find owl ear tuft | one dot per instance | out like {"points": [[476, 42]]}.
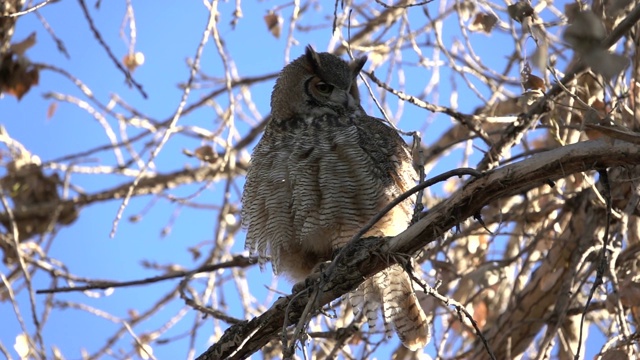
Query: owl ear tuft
{"points": [[356, 65], [313, 58]]}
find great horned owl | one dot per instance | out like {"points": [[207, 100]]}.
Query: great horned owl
{"points": [[321, 171]]}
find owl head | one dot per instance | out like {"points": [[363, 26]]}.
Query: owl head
{"points": [[316, 84]]}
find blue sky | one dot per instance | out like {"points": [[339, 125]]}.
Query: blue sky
{"points": [[168, 34]]}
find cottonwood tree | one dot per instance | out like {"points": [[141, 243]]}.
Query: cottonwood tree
{"points": [[529, 117]]}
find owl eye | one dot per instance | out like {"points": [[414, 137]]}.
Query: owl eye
{"points": [[324, 88]]}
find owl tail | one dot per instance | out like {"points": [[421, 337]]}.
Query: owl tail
{"points": [[390, 291]]}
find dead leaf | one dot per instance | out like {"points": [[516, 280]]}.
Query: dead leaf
{"points": [[52, 109], [17, 75], [21, 346], [595, 115], [205, 153], [585, 32], [165, 231], [132, 61], [600, 106], [57, 354], [585, 36], [195, 253], [480, 311], [465, 9], [133, 314], [21, 47], [533, 85], [520, 10], [145, 351], [273, 22], [230, 220], [533, 82], [483, 22]]}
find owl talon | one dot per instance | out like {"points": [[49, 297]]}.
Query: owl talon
{"points": [[313, 278], [308, 282], [320, 267]]}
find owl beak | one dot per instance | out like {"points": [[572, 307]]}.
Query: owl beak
{"points": [[343, 98], [351, 102]]}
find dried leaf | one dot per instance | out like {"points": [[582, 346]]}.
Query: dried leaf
{"points": [[144, 350], [534, 83], [483, 22], [205, 153], [17, 75], [273, 22], [231, 220], [133, 313], [585, 33], [165, 231], [520, 10], [57, 354], [21, 346], [585, 37], [132, 61], [480, 312], [600, 106], [596, 115], [21, 47], [465, 9], [52, 109], [195, 253]]}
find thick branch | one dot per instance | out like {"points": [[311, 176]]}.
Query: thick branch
{"points": [[242, 340]]}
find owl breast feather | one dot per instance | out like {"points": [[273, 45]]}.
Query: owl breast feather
{"points": [[311, 186]]}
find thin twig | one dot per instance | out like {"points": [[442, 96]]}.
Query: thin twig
{"points": [[29, 10], [113, 58], [238, 261], [170, 128]]}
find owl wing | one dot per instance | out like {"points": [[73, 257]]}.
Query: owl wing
{"points": [[266, 201]]}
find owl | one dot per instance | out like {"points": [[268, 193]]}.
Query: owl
{"points": [[321, 171]]}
